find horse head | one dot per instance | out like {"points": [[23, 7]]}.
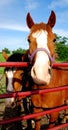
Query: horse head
{"points": [[41, 48], [13, 77]]}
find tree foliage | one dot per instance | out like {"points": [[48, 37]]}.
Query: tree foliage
{"points": [[6, 50], [19, 50], [62, 48]]}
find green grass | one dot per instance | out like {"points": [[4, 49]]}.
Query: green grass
{"points": [[2, 60], [2, 80]]}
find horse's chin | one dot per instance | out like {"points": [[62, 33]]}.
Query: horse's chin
{"points": [[13, 105], [9, 103], [40, 82]]}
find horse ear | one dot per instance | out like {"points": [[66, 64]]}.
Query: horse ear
{"points": [[29, 20], [52, 19], [5, 55]]}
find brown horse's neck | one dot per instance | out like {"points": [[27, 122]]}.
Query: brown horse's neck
{"points": [[59, 77]]}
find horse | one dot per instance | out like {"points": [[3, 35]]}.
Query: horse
{"points": [[13, 77], [42, 55], [15, 83]]}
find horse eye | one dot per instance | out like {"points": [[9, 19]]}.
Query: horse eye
{"points": [[29, 40], [54, 40]]}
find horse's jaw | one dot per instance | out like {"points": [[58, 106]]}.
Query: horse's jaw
{"points": [[39, 79]]}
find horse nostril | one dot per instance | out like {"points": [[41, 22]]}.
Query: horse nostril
{"points": [[13, 104], [49, 70], [34, 71]]}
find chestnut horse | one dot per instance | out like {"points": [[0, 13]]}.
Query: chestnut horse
{"points": [[15, 80], [42, 54], [13, 76]]}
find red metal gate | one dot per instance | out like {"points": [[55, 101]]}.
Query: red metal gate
{"points": [[21, 94]]}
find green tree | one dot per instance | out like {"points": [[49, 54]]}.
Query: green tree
{"points": [[6, 50], [62, 48], [19, 50]]}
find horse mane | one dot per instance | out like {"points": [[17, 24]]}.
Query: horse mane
{"points": [[16, 57]]}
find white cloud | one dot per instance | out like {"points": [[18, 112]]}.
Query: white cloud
{"points": [[13, 27], [31, 4], [58, 3], [8, 18]]}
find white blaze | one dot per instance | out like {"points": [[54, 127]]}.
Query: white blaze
{"points": [[39, 71], [10, 77], [41, 39], [9, 101]]}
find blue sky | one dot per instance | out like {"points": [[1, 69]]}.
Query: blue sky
{"points": [[13, 28]]}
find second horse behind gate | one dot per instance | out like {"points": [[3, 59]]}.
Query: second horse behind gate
{"points": [[15, 83], [13, 77]]}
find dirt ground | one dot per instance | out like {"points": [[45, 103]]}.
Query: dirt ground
{"points": [[6, 113]]}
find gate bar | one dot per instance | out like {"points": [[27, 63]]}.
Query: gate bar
{"points": [[28, 93], [25, 64], [31, 116], [59, 127]]}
